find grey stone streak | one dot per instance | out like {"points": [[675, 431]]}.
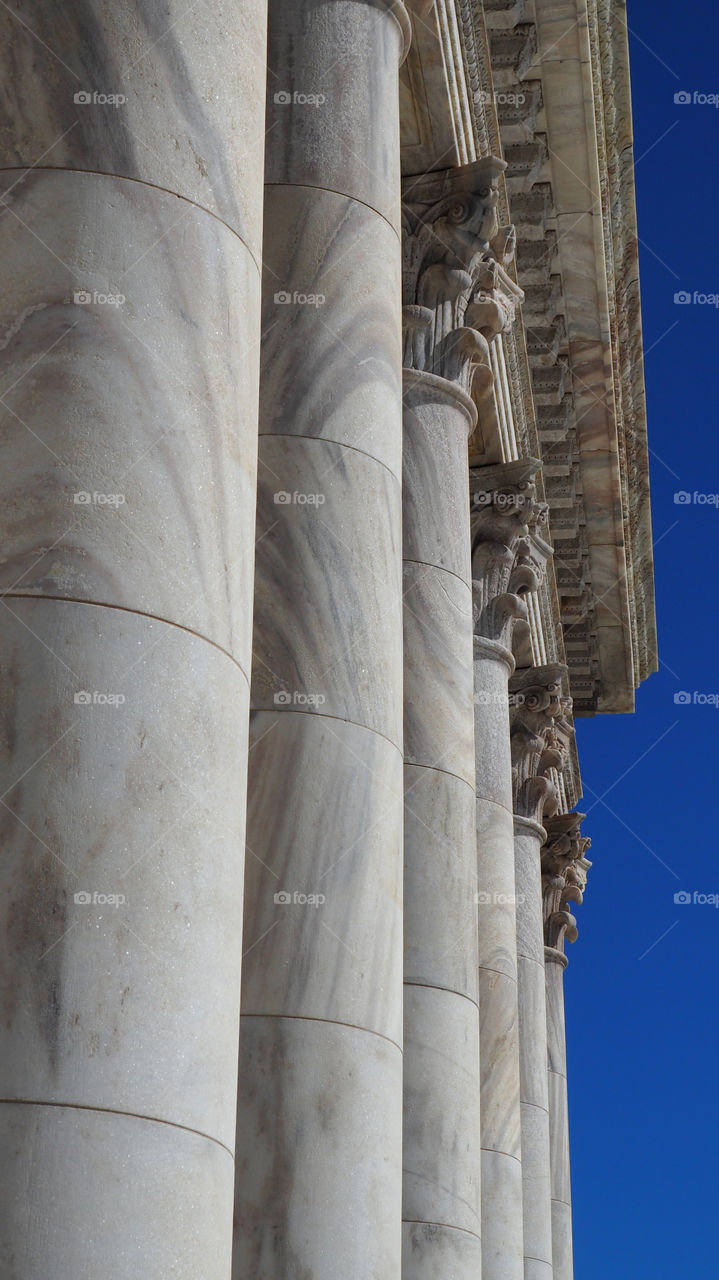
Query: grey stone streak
{"points": [[318, 1187], [441, 1140], [70, 1160], [184, 125], [140, 404]]}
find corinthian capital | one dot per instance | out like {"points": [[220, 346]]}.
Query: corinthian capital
{"points": [[458, 294], [564, 876], [508, 552], [541, 734]]}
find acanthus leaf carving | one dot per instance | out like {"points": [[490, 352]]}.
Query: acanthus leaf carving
{"points": [[564, 877], [509, 555], [454, 272], [541, 734]]}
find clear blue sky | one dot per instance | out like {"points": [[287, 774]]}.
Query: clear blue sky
{"points": [[642, 1008]]}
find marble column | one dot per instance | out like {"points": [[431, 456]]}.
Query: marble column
{"points": [[445, 360], [319, 1148], [564, 875], [540, 734], [130, 220], [504, 507]]}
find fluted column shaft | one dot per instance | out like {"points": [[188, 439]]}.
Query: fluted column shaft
{"points": [[318, 1189], [502, 1248], [441, 1147], [562, 1255], [534, 1097], [130, 234]]}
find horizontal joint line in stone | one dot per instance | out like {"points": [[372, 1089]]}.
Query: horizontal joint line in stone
{"points": [[435, 986], [136, 613], [327, 715], [138, 182], [114, 1111], [440, 569], [331, 1022], [339, 444], [445, 1226], [436, 768], [342, 195]]}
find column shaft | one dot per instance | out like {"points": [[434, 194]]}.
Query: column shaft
{"points": [[562, 1257], [502, 1249], [536, 1177], [318, 1188], [129, 311], [441, 1144]]}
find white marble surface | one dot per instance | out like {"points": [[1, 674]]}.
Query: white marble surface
{"points": [[349, 54], [435, 475], [429, 1250], [185, 125], [337, 960], [319, 1152], [438, 717], [334, 362], [328, 599], [562, 1259], [113, 1004], [441, 1167], [318, 1189], [129, 430], [502, 1234], [86, 1190], [501, 1217], [536, 1161], [440, 920]]}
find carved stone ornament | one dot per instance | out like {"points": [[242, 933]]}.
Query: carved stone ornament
{"points": [[564, 877], [458, 294], [509, 554], [541, 735]]}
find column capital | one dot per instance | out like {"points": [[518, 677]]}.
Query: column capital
{"points": [[541, 735], [564, 877], [509, 554], [457, 292]]}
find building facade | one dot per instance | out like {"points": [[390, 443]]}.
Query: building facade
{"points": [[325, 512]]}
